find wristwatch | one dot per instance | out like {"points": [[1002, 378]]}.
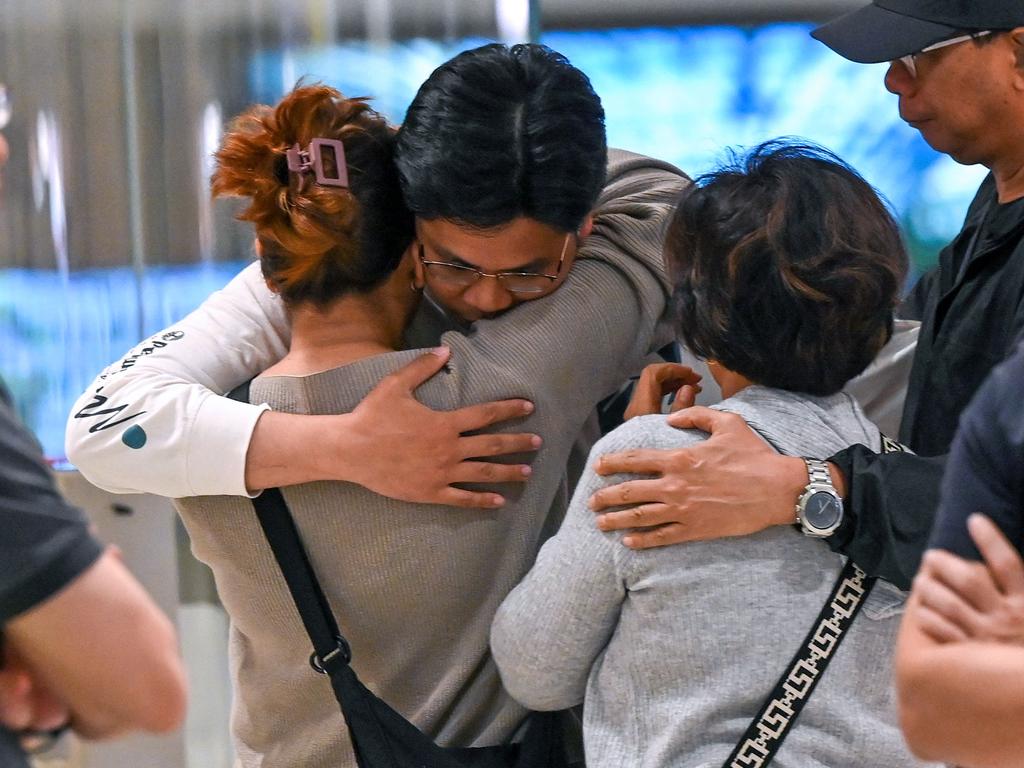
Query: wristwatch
{"points": [[819, 511]]}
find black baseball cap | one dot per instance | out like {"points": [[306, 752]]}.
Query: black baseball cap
{"points": [[889, 29]]}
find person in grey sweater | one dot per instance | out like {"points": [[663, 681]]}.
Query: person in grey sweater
{"points": [[786, 268]]}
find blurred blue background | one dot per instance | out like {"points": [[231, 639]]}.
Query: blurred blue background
{"points": [[682, 94]]}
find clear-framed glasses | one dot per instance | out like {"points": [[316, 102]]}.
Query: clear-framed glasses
{"points": [[513, 282], [910, 60]]}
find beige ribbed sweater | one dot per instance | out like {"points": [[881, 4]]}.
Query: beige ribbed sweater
{"points": [[415, 587]]}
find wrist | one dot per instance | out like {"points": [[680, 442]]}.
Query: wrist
{"points": [[280, 452], [793, 475], [838, 479]]}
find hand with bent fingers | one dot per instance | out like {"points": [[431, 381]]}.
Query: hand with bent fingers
{"points": [[25, 703], [963, 600], [659, 380], [413, 453], [732, 484]]}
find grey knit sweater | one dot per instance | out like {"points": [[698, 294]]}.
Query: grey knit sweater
{"points": [[676, 648], [415, 587]]}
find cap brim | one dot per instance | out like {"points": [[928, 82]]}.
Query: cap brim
{"points": [[872, 35]]}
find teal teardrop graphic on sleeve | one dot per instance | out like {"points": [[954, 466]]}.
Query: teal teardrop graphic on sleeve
{"points": [[134, 437]]}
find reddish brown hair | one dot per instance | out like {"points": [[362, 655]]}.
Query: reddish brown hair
{"points": [[317, 241]]}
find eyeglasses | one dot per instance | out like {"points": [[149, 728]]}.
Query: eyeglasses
{"points": [[910, 60], [513, 282]]}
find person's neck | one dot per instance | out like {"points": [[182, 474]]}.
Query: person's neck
{"points": [[351, 328], [729, 382], [1009, 173]]}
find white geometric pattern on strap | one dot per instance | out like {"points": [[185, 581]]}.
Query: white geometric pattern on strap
{"points": [[777, 715]]}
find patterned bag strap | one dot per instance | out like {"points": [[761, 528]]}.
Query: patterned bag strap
{"points": [[765, 734]]}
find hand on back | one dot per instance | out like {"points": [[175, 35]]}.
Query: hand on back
{"points": [[732, 484], [410, 452]]}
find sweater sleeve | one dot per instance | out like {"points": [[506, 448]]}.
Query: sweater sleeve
{"points": [[550, 630], [154, 421]]}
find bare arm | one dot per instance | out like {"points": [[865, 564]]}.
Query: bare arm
{"points": [[103, 648], [960, 656]]}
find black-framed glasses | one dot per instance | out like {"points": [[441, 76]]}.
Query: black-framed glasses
{"points": [[514, 282]]}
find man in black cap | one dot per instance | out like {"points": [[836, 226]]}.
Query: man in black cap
{"points": [[958, 69]]}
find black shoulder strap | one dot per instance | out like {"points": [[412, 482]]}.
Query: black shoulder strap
{"points": [[286, 544], [765, 734]]}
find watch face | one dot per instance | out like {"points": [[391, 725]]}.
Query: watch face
{"points": [[822, 510]]}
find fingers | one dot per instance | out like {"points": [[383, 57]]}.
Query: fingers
{"points": [[705, 419], [624, 494], [1003, 561], [474, 417], [655, 382], [482, 446], [646, 398], [685, 397], [489, 472], [419, 370], [15, 700], [50, 713], [937, 597], [663, 536], [938, 627], [639, 461], [670, 376], [970, 582], [457, 497], [643, 516]]}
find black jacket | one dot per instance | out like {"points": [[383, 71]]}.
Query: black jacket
{"points": [[971, 308]]}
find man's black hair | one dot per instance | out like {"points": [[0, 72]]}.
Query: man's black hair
{"points": [[500, 132]]}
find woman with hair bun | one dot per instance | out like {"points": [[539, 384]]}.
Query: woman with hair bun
{"points": [[413, 586]]}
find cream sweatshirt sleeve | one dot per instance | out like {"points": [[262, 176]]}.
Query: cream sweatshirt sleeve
{"points": [[154, 421]]}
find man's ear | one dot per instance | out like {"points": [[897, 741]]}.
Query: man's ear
{"points": [[586, 227], [419, 277], [1017, 41]]}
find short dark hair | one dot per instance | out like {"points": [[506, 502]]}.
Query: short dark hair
{"points": [[501, 132], [787, 268]]}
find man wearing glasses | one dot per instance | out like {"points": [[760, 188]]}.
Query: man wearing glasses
{"points": [[503, 161], [958, 70]]}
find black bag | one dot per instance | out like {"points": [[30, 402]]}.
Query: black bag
{"points": [[381, 737]]}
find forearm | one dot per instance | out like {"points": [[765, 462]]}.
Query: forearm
{"points": [[551, 628], [962, 702], [280, 455], [103, 647]]}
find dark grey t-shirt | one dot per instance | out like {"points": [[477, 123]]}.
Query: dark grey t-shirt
{"points": [[44, 541]]}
